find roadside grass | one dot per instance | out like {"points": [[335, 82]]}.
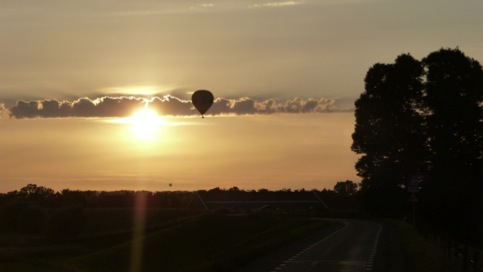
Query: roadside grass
{"points": [[418, 253]]}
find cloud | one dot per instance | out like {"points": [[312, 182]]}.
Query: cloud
{"points": [[169, 105], [82, 107], [190, 7], [276, 4], [4, 112]]}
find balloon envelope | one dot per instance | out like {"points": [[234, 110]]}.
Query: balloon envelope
{"points": [[202, 100]]}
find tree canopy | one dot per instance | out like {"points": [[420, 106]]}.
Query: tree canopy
{"points": [[422, 121]]}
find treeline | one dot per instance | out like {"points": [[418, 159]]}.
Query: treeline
{"points": [[48, 198], [36, 209], [57, 215]]}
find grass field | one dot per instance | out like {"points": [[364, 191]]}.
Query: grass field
{"points": [[203, 242]]}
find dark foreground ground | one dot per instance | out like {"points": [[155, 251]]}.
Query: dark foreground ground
{"points": [[176, 240], [203, 241]]}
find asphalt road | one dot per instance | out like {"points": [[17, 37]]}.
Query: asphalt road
{"points": [[349, 246]]}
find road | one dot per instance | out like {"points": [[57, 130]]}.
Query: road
{"points": [[349, 246]]}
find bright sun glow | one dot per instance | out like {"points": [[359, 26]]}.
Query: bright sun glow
{"points": [[145, 123]]}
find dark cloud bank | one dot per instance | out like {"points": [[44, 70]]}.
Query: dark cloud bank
{"points": [[124, 106]]}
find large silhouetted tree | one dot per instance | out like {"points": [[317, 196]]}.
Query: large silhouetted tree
{"points": [[388, 131], [453, 103], [422, 120]]}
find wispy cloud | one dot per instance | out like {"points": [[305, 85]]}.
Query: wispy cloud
{"points": [[170, 8], [209, 6], [276, 4], [140, 12]]}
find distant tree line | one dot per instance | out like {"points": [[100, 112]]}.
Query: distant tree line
{"points": [[421, 122], [36, 209], [48, 198]]}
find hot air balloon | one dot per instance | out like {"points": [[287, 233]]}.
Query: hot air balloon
{"points": [[202, 100]]}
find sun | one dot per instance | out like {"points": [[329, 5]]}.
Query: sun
{"points": [[145, 123]]}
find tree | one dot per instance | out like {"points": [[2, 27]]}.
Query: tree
{"points": [[421, 120], [388, 131], [454, 125], [346, 188], [36, 192]]}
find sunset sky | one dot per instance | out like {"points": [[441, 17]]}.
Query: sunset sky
{"points": [[285, 75]]}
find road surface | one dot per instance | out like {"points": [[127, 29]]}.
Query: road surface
{"points": [[348, 246]]}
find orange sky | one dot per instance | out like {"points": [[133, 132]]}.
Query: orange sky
{"points": [[290, 71], [251, 152]]}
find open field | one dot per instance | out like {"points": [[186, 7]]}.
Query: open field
{"points": [[194, 242]]}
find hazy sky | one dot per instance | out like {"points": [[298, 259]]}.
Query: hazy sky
{"points": [[275, 152], [282, 64]]}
